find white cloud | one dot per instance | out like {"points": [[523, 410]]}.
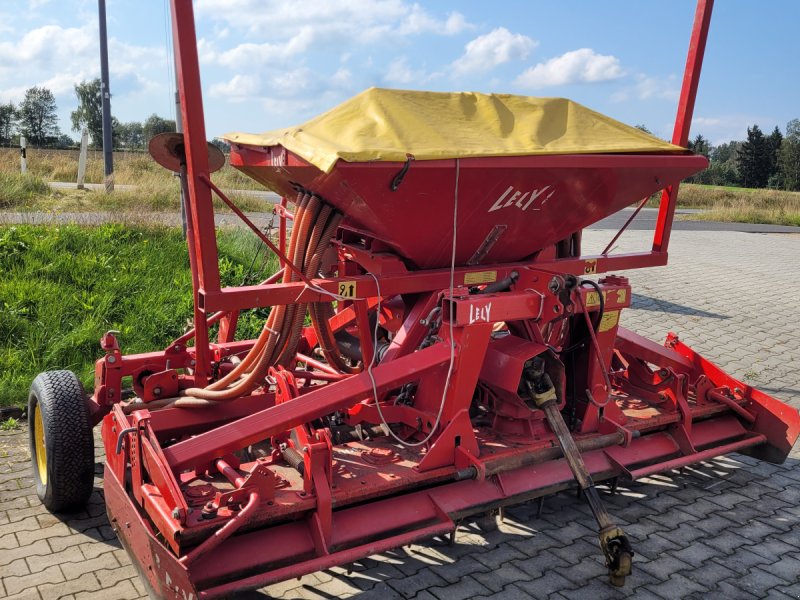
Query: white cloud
{"points": [[400, 72], [356, 22], [649, 88], [492, 49], [724, 128], [238, 89], [57, 58], [245, 55], [418, 21], [342, 78], [577, 66]]}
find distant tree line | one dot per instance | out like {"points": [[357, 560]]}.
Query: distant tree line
{"points": [[760, 161], [36, 118]]}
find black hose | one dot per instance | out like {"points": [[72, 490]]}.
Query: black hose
{"points": [[597, 321], [502, 285], [602, 300]]}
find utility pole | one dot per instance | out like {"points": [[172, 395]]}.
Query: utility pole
{"points": [[105, 92]]}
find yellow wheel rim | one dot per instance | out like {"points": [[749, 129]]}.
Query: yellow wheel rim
{"points": [[41, 451]]}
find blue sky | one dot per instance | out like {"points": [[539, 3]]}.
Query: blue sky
{"points": [[268, 63]]}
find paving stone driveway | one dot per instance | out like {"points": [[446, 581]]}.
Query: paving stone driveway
{"points": [[727, 528]]}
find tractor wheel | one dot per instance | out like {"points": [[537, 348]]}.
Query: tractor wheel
{"points": [[61, 441]]}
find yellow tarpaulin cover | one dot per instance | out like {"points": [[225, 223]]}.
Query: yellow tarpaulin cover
{"points": [[388, 125]]}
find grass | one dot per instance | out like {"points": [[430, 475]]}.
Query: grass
{"points": [[63, 287], [741, 205], [157, 189], [10, 424]]}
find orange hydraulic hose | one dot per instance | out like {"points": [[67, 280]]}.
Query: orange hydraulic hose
{"points": [[269, 326], [301, 252], [278, 316], [252, 379], [319, 320], [316, 247]]}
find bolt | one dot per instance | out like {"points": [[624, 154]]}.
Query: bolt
{"points": [[193, 362], [111, 359], [157, 391]]}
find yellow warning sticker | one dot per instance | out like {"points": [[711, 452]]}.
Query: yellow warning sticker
{"points": [[622, 296], [593, 299], [480, 277], [347, 289], [590, 266], [609, 321]]}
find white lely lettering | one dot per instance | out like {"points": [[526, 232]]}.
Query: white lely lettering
{"points": [[523, 200], [499, 203], [480, 314]]}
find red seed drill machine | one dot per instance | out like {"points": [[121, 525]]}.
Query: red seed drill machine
{"points": [[437, 345]]}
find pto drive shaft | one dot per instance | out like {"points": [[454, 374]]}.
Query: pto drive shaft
{"points": [[613, 541]]}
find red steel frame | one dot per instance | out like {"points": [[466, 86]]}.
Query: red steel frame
{"points": [[268, 521]]}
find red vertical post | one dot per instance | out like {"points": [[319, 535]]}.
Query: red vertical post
{"points": [[683, 120], [203, 231]]}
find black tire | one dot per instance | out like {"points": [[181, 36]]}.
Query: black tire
{"points": [[65, 479]]}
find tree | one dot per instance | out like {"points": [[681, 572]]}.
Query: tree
{"points": [[8, 120], [155, 125], [64, 141], [754, 161], [789, 158], [131, 135], [774, 141], [222, 145], [700, 145], [89, 113], [37, 115]]}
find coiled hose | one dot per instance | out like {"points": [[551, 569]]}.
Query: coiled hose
{"points": [[315, 226]]}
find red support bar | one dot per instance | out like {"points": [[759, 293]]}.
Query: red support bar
{"points": [[275, 420], [264, 238], [683, 461], [683, 120], [204, 246], [189, 88]]}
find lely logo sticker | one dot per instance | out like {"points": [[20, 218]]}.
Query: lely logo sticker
{"points": [[524, 200]]}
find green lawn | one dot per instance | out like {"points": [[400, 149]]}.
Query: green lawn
{"points": [[63, 287]]}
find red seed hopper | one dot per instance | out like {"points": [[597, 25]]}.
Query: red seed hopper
{"points": [[437, 345]]}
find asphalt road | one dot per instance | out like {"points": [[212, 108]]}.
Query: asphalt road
{"points": [[99, 187], [646, 220]]}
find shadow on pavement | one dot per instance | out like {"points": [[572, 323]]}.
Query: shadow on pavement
{"points": [[643, 302]]}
